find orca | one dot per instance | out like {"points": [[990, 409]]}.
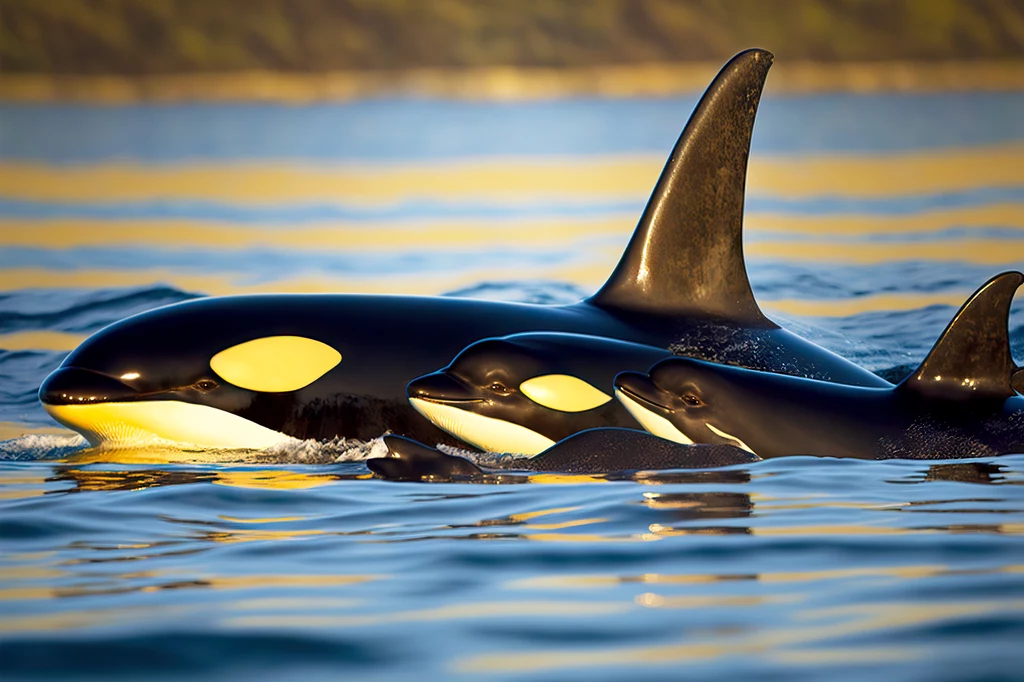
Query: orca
{"points": [[958, 403], [523, 393], [594, 451], [257, 370]]}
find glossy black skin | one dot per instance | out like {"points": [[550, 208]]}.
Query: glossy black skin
{"points": [[681, 283], [365, 394], [778, 415], [595, 451], [485, 378]]}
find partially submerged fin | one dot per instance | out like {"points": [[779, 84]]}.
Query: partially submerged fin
{"points": [[409, 460], [972, 357], [686, 254]]}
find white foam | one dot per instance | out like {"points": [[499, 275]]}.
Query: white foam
{"points": [[41, 446], [326, 452]]}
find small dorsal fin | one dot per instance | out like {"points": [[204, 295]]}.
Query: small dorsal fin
{"points": [[972, 357], [686, 254]]}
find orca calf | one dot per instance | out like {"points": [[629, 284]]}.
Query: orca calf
{"points": [[596, 451], [958, 403], [253, 371], [524, 392]]}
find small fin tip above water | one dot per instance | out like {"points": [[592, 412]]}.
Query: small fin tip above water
{"points": [[973, 353]]}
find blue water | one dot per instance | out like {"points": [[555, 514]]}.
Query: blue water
{"points": [[296, 564], [429, 129]]}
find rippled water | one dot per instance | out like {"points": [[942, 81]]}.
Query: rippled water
{"points": [[870, 218]]}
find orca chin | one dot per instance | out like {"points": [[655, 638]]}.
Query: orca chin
{"points": [[487, 433], [142, 423]]}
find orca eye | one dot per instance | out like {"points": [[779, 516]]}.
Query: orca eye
{"points": [[499, 387], [691, 400], [205, 385]]}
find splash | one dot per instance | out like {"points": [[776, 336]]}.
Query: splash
{"points": [[41, 447]]}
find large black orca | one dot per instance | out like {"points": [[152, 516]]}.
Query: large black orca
{"points": [[252, 371], [958, 403], [595, 451], [523, 393]]}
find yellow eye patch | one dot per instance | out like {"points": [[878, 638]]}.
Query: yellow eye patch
{"points": [[563, 393], [275, 364]]}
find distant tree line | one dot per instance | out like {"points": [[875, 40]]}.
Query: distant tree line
{"points": [[143, 37]]}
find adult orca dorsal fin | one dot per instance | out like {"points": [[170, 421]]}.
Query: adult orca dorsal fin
{"points": [[686, 254], [972, 357]]}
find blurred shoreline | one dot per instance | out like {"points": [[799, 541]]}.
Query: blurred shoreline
{"points": [[510, 83], [118, 51]]}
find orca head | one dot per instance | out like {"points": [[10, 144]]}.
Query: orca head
{"points": [[514, 394], [178, 374], [686, 401]]}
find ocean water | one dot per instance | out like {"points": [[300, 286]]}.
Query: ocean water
{"points": [[870, 218]]}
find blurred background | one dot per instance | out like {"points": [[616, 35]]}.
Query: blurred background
{"points": [[156, 150]]}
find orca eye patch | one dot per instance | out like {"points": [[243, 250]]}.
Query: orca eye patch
{"points": [[275, 364], [563, 393]]}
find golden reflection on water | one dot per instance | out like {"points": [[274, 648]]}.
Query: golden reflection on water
{"points": [[589, 581], [461, 233], [515, 180], [776, 641], [72, 619], [441, 613], [273, 479], [93, 479]]}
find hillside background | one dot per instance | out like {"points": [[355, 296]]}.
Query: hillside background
{"points": [[150, 37]]}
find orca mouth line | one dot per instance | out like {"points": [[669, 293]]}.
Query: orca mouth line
{"points": [[79, 386], [642, 400], [450, 401], [127, 398]]}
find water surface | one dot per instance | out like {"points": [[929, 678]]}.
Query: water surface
{"points": [[869, 220]]}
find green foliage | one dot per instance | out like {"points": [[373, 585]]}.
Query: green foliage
{"points": [[187, 36]]}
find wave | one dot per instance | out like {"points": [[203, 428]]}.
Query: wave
{"points": [[525, 291], [79, 310]]}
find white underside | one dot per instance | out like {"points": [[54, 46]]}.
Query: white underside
{"points": [[734, 439], [486, 433], [148, 422], [654, 423]]}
